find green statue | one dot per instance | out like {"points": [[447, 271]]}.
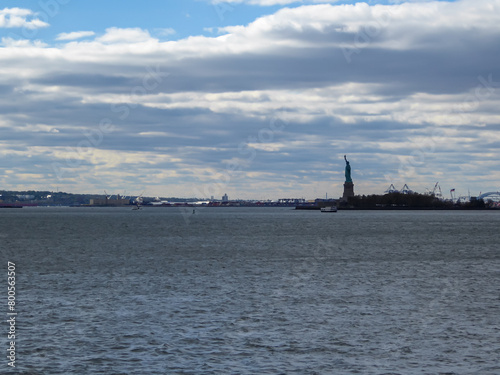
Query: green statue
{"points": [[347, 170]]}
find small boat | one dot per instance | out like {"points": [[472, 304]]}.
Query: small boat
{"points": [[329, 209]]}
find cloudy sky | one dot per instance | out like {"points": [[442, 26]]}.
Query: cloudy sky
{"points": [[253, 98]]}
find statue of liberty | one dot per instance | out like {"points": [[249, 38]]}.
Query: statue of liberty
{"points": [[347, 170]]}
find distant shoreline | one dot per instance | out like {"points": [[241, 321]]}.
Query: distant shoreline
{"points": [[389, 201], [403, 209], [298, 208]]}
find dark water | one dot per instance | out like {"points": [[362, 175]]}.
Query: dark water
{"points": [[253, 291]]}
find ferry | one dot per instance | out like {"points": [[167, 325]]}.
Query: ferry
{"points": [[329, 209]]}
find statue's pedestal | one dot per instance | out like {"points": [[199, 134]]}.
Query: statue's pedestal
{"points": [[348, 191]]}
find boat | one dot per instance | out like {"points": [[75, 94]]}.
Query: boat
{"points": [[329, 209]]}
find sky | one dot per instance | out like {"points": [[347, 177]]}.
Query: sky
{"points": [[259, 99]]}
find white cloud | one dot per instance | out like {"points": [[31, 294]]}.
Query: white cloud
{"points": [[12, 43], [165, 31], [20, 18], [75, 35], [125, 36], [38, 128]]}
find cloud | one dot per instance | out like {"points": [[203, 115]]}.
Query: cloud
{"points": [[129, 35], [409, 91], [22, 43], [20, 18], [75, 35], [165, 31]]}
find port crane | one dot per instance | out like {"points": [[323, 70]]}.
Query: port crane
{"points": [[437, 191], [404, 190], [392, 189], [106, 196]]}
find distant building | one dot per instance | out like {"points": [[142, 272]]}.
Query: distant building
{"points": [[225, 198], [291, 201]]}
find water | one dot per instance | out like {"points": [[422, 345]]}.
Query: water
{"points": [[253, 291]]}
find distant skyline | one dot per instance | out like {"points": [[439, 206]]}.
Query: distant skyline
{"points": [[254, 98]]}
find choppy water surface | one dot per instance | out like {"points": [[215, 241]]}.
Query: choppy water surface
{"points": [[254, 291]]}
